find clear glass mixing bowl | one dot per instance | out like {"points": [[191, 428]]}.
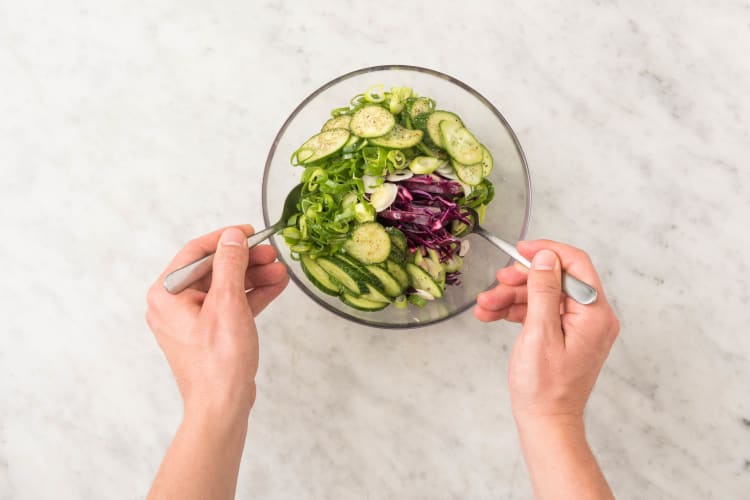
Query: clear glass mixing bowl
{"points": [[507, 216]]}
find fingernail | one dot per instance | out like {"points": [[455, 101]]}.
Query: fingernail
{"points": [[544, 260], [233, 237]]}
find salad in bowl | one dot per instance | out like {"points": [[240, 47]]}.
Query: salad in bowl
{"points": [[390, 186]]}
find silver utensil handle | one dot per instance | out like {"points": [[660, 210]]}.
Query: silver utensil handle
{"points": [[576, 289], [180, 279]]}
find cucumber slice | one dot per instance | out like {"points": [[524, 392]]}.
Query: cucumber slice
{"points": [[420, 123], [322, 145], [469, 174], [421, 280], [398, 238], [460, 143], [361, 303], [425, 164], [398, 256], [372, 121], [352, 144], [369, 243], [431, 150], [417, 106], [341, 121], [375, 295], [361, 274], [398, 137], [433, 125], [436, 271], [318, 276], [487, 162], [344, 273], [390, 285], [417, 300], [453, 264], [398, 272]]}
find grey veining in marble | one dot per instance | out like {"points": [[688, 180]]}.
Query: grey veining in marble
{"points": [[126, 128]]}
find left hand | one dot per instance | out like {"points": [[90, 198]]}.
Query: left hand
{"points": [[207, 331]]}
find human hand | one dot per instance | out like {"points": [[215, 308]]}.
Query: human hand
{"points": [[563, 344], [207, 331]]}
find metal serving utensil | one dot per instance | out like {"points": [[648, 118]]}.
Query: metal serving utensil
{"points": [[576, 289], [178, 280]]}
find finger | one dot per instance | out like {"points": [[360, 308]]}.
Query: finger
{"points": [[514, 274], [259, 255], [265, 275], [502, 296], [543, 294], [573, 260], [516, 313], [230, 264], [260, 297], [200, 247]]}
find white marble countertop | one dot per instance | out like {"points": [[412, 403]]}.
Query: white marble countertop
{"points": [[128, 127]]}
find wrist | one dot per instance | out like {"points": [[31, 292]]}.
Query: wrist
{"points": [[571, 425], [214, 424], [229, 411]]}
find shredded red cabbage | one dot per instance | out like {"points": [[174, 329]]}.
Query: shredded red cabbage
{"points": [[423, 210]]}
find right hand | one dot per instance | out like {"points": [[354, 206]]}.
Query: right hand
{"points": [[563, 344], [207, 331]]}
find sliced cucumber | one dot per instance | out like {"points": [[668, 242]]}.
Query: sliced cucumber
{"points": [[341, 121], [432, 150], [433, 125], [435, 269], [417, 106], [369, 243], [322, 145], [453, 264], [487, 162], [398, 256], [372, 121], [361, 303], [469, 174], [391, 286], [417, 300], [460, 143], [425, 164], [398, 238], [352, 144], [375, 295], [421, 280], [398, 272], [343, 273], [360, 273], [318, 276], [398, 137], [420, 123]]}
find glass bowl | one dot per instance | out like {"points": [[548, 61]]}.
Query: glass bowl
{"points": [[507, 216]]}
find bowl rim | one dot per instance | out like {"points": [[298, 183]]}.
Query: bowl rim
{"points": [[373, 69]]}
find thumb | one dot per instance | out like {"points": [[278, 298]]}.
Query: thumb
{"points": [[544, 288], [230, 264]]}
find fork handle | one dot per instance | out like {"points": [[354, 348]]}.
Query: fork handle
{"points": [[180, 279], [576, 289]]}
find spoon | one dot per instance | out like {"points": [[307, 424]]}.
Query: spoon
{"points": [[576, 289], [178, 280]]}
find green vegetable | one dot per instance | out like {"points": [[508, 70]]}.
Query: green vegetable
{"points": [[342, 232]]}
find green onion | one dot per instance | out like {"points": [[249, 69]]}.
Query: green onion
{"points": [[375, 94]]}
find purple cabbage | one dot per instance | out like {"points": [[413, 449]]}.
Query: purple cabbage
{"points": [[423, 211]]}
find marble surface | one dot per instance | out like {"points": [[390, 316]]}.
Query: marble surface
{"points": [[129, 127]]}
